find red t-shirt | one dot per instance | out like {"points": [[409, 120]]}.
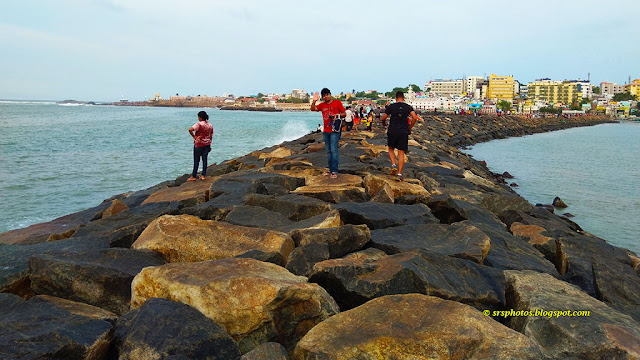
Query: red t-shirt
{"points": [[333, 108], [204, 133]]}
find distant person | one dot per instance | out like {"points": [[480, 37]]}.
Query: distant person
{"points": [[331, 109], [320, 128], [202, 133], [398, 131], [348, 118]]}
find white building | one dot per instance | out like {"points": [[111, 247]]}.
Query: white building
{"points": [[445, 87], [472, 85], [608, 88]]}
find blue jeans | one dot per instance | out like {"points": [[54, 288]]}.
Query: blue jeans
{"points": [[331, 144], [200, 152]]}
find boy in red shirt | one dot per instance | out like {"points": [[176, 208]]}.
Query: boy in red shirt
{"points": [[330, 109]]}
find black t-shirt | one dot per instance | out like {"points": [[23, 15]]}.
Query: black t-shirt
{"points": [[398, 118]]}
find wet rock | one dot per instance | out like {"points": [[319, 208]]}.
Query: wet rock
{"points": [[97, 277], [506, 175], [569, 215], [558, 203], [513, 184], [187, 238], [303, 258], [161, 328], [604, 334], [368, 274], [414, 326], [457, 240], [38, 329], [294, 207], [380, 216], [254, 301], [267, 351]]}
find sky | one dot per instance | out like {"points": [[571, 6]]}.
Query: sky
{"points": [[105, 50]]}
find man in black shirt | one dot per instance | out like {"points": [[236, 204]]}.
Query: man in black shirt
{"points": [[398, 131]]}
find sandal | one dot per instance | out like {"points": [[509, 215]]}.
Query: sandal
{"points": [[202, 177], [334, 175], [192, 179], [327, 173]]}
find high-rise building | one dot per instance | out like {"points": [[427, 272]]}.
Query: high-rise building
{"points": [[500, 88], [633, 88], [609, 88], [556, 91], [472, 84]]}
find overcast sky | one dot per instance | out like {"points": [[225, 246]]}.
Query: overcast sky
{"points": [[103, 50]]}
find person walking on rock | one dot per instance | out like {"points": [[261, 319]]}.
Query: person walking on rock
{"points": [[202, 133], [348, 119], [398, 131], [331, 109]]}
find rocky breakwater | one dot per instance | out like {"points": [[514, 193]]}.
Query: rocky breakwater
{"points": [[269, 259]]}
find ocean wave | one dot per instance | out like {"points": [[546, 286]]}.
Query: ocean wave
{"points": [[27, 102], [293, 130]]}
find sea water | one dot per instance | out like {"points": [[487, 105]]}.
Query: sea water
{"points": [[56, 160], [595, 170]]}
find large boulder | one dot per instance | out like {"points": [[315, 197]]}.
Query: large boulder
{"points": [[97, 277], [255, 216], [14, 261], [267, 351], [254, 301], [458, 240], [39, 329], [341, 240], [343, 188], [368, 274], [294, 207], [189, 193], [188, 238], [562, 328], [413, 326], [161, 328], [380, 216], [303, 258], [373, 184]]}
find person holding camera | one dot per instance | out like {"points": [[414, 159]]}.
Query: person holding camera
{"points": [[331, 110]]}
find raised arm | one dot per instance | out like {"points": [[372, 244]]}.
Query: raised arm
{"points": [[316, 97]]}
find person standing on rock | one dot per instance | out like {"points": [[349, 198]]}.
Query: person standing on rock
{"points": [[331, 109], [398, 131], [348, 119], [202, 133]]}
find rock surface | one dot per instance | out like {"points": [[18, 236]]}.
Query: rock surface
{"points": [[162, 328], [254, 301], [603, 334], [414, 327], [188, 238]]}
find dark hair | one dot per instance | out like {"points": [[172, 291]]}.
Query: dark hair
{"points": [[203, 115], [399, 95], [325, 91]]}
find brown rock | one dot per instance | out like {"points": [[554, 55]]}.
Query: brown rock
{"points": [[78, 308], [64, 235], [340, 181], [384, 195], [116, 206], [188, 238], [373, 184], [190, 193], [413, 326], [280, 152], [558, 203], [254, 301], [531, 233], [333, 194]]}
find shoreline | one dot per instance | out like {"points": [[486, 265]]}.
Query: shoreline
{"points": [[361, 240]]}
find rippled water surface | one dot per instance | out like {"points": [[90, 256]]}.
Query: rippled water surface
{"points": [[55, 160], [595, 170]]}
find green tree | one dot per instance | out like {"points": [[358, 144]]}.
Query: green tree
{"points": [[260, 95], [392, 93], [596, 90], [504, 105], [625, 96], [415, 88]]}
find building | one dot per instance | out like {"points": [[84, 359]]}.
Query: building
{"points": [[555, 91], [299, 94], [500, 88], [474, 83], [633, 88], [608, 88], [447, 87]]}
